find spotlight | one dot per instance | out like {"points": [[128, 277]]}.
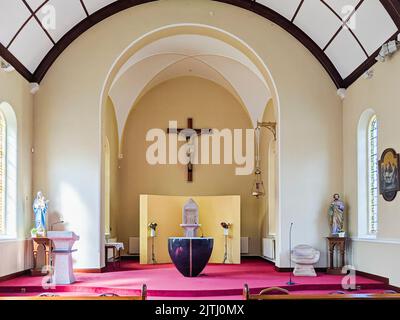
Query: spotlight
{"points": [[5, 66], [342, 93], [34, 87], [393, 46], [387, 50], [368, 74]]}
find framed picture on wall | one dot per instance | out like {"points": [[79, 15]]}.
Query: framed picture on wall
{"points": [[389, 175]]}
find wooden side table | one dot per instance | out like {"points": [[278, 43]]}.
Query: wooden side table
{"points": [[338, 245], [117, 248], [46, 244]]}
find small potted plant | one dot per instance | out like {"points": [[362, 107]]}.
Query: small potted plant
{"points": [[153, 227], [34, 232], [226, 227], [342, 234]]}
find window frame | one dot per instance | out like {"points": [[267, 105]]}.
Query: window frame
{"points": [[372, 182], [3, 179], [11, 172], [362, 153]]}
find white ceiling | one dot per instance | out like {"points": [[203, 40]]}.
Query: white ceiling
{"points": [[322, 21], [189, 55], [21, 32]]}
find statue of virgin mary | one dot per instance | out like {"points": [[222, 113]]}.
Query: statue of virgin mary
{"points": [[40, 206]]}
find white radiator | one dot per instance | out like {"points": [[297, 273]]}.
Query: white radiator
{"points": [[133, 245], [269, 248], [244, 245]]}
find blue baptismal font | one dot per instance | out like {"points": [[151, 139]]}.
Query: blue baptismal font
{"points": [[190, 254]]}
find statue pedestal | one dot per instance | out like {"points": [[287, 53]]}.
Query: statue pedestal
{"points": [[338, 245], [63, 268], [190, 255]]}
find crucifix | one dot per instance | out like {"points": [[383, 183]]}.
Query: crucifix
{"points": [[188, 132]]}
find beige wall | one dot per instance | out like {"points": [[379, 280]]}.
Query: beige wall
{"points": [[15, 90], [67, 133], [67, 121], [210, 106], [166, 211], [268, 204], [380, 94], [111, 132]]}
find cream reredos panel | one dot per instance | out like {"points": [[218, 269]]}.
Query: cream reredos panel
{"points": [[205, 57]]}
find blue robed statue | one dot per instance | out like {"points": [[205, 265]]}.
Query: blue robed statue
{"points": [[40, 207]]}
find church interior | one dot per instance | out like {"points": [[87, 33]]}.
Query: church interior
{"points": [[199, 149]]}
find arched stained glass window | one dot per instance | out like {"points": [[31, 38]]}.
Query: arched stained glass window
{"points": [[373, 175], [8, 172], [3, 172]]}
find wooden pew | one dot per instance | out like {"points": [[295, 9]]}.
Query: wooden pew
{"points": [[103, 297], [283, 294]]}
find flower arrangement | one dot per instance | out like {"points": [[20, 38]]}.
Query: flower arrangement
{"points": [[153, 227], [34, 233], [226, 227]]}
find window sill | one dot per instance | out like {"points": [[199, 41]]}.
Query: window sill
{"points": [[367, 237], [376, 240], [9, 239]]}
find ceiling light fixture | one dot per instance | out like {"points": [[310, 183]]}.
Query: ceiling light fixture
{"points": [[341, 92], [368, 74], [34, 87], [5, 66], [388, 49]]}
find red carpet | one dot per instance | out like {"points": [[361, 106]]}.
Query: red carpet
{"points": [[217, 282]]}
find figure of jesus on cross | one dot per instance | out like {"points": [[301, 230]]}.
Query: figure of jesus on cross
{"points": [[188, 133]]}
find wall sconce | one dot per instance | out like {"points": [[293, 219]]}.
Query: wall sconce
{"points": [[271, 126]]}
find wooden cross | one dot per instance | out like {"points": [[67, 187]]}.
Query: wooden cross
{"points": [[189, 132]]}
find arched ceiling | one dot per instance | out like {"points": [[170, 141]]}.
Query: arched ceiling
{"points": [[344, 35], [189, 55]]}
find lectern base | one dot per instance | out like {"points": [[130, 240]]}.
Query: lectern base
{"points": [[63, 268]]}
